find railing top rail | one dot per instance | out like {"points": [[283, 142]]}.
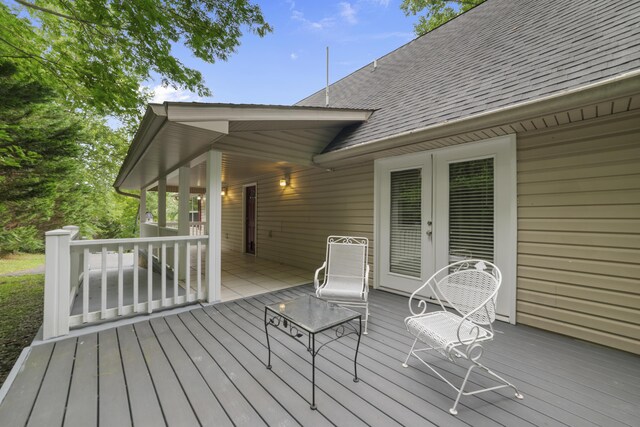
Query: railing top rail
{"points": [[138, 240]]}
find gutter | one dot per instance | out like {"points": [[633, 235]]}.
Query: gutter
{"points": [[605, 90], [124, 193]]}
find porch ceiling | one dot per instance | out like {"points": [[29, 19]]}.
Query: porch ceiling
{"points": [[172, 135]]}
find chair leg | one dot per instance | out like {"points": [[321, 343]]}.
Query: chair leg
{"points": [[489, 371], [461, 391], [505, 382], [366, 318], [410, 352]]}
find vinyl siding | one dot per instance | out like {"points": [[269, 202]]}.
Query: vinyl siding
{"points": [[579, 231], [293, 223], [578, 264]]}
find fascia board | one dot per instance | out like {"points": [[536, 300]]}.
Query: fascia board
{"points": [[201, 113], [153, 120]]}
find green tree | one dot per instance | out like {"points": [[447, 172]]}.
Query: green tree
{"points": [[437, 12], [37, 152], [96, 53], [57, 167]]}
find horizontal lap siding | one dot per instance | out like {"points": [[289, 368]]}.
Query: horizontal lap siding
{"points": [[293, 223], [579, 231]]}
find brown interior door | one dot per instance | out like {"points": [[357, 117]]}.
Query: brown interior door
{"points": [[250, 219]]}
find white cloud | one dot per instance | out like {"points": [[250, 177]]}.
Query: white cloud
{"points": [[293, 56], [161, 94], [322, 24], [348, 12]]}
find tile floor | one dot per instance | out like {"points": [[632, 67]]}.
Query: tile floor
{"points": [[246, 275]]}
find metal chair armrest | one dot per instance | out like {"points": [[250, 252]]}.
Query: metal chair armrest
{"points": [[366, 281], [316, 282]]}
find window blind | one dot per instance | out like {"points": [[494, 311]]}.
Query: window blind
{"points": [[406, 223], [471, 210]]}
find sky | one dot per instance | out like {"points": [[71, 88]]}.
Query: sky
{"points": [[289, 64]]}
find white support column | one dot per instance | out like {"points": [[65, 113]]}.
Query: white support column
{"points": [[162, 202], [57, 284], [143, 208], [184, 177], [213, 213]]}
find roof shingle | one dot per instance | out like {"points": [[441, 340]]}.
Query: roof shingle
{"points": [[500, 53]]}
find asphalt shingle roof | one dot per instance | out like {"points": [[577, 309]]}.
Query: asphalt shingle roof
{"points": [[500, 53]]}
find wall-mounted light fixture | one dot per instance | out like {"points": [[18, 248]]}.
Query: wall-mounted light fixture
{"points": [[199, 197], [224, 191], [284, 181]]}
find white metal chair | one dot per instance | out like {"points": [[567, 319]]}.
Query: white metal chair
{"points": [[346, 279], [466, 291]]}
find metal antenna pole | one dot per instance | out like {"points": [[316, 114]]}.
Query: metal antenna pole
{"points": [[326, 92]]}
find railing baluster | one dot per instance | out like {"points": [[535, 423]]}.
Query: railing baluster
{"points": [[176, 262], [86, 276], [150, 278], [103, 284], [120, 280], [135, 278], [187, 271], [198, 268], [111, 306], [163, 274]]}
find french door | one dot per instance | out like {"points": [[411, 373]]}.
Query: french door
{"points": [[437, 207]]}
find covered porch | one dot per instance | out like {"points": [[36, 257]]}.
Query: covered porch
{"points": [[207, 150], [206, 366]]}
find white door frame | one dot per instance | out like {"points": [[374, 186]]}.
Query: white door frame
{"points": [[503, 149]]}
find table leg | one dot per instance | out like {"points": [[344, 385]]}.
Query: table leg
{"points": [[266, 331], [313, 372], [355, 358]]}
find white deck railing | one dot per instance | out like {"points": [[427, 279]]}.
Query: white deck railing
{"points": [[110, 287], [150, 229]]}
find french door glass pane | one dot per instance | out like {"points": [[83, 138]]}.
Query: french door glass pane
{"points": [[471, 210], [406, 224]]}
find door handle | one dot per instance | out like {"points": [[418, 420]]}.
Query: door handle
{"points": [[429, 230]]}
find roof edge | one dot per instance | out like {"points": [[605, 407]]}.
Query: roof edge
{"points": [[607, 89], [154, 117]]}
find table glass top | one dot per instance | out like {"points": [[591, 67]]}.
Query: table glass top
{"points": [[313, 314]]}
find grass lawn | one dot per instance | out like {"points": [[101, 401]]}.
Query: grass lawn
{"points": [[18, 262], [21, 304]]}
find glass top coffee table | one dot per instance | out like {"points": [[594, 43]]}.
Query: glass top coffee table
{"points": [[309, 316]]}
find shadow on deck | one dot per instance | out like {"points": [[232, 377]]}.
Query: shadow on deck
{"points": [[206, 366]]}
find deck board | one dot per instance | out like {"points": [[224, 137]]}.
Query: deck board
{"points": [[113, 403], [176, 406], [18, 403], [82, 404], [49, 407], [145, 407], [206, 366], [194, 338], [269, 408], [197, 390]]}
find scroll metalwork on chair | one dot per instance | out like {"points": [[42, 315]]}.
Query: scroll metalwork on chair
{"points": [[466, 291], [346, 273]]}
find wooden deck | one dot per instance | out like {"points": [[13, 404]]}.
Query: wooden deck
{"points": [[207, 367]]}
